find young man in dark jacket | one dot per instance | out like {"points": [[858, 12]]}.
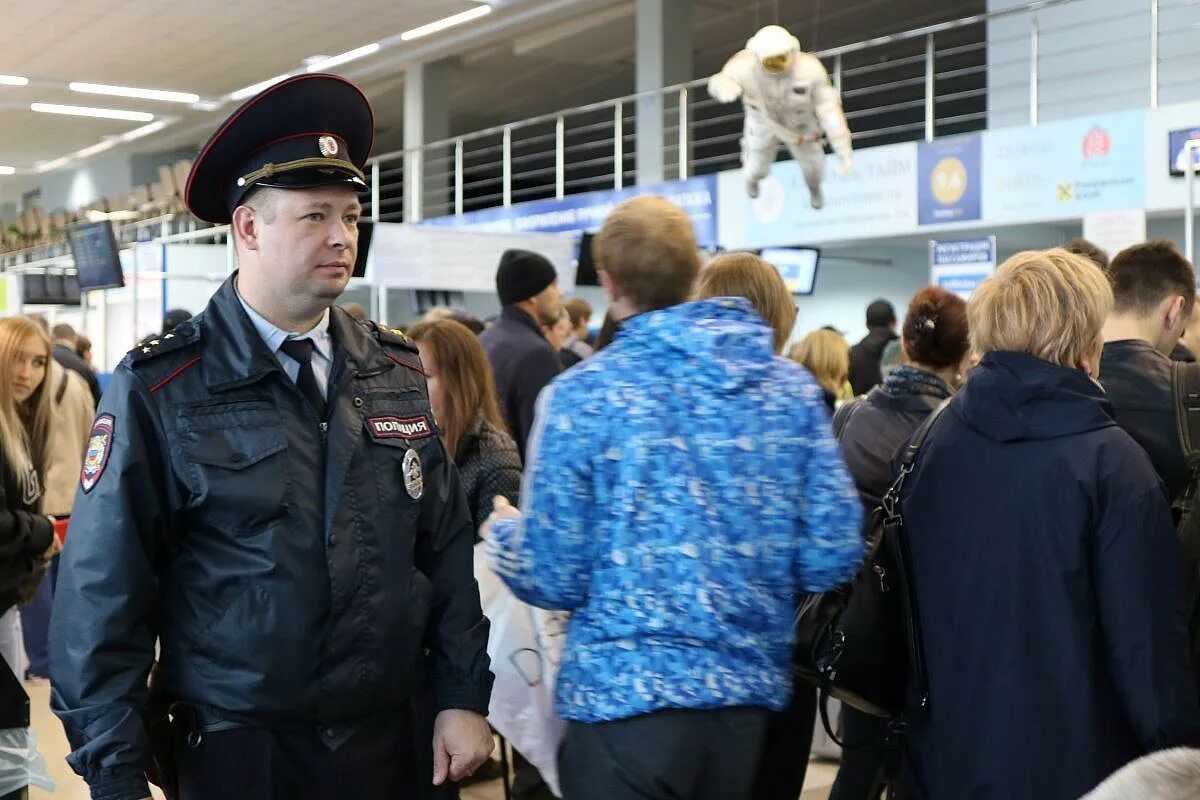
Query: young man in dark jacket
{"points": [[522, 360], [866, 356], [1155, 290]]}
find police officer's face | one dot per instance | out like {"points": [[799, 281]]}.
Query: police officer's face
{"points": [[308, 240], [28, 369]]}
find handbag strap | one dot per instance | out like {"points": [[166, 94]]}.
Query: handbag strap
{"points": [[891, 507], [891, 500]]}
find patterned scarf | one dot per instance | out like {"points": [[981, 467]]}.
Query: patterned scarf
{"points": [[906, 380]]}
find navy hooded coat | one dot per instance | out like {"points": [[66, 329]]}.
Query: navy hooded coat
{"points": [[1048, 582]]}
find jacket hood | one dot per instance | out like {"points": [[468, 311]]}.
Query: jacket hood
{"points": [[1014, 397], [721, 342]]}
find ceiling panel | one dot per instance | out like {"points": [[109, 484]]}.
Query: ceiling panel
{"points": [[530, 57], [210, 47]]}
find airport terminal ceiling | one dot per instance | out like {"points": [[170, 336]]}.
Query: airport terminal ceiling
{"points": [[525, 57]]}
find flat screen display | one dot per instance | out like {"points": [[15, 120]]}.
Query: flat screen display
{"points": [[49, 290], [365, 231], [97, 259], [1176, 141], [585, 273], [797, 265]]}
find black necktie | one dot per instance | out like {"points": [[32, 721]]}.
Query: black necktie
{"points": [[301, 351]]}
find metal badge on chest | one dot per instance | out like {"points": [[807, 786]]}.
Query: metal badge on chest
{"points": [[414, 479]]}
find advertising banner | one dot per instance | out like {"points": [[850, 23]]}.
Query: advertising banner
{"points": [[877, 198], [578, 213], [1065, 169], [951, 186]]}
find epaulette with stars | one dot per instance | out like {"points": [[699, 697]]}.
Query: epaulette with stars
{"points": [[155, 346], [393, 336]]}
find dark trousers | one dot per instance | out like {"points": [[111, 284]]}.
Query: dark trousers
{"points": [[528, 783], [669, 755], [861, 774], [35, 623], [375, 764], [784, 761]]}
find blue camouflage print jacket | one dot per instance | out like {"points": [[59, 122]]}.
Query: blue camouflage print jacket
{"points": [[683, 487]]}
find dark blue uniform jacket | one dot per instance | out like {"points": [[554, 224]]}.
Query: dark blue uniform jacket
{"points": [[1048, 581], [279, 558]]}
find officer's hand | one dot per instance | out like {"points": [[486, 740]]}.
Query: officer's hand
{"points": [[846, 164], [501, 509], [462, 741]]}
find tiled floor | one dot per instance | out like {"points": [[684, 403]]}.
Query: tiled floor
{"points": [[53, 745]]}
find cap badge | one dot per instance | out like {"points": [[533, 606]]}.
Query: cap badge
{"points": [[328, 146]]}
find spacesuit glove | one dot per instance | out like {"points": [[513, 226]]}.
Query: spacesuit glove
{"points": [[845, 163], [723, 88]]}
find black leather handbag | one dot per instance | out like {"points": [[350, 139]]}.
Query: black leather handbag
{"points": [[861, 642]]}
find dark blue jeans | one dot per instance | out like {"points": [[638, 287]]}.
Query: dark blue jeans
{"points": [[35, 623]]}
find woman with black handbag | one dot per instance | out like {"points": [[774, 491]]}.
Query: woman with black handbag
{"points": [[871, 428]]}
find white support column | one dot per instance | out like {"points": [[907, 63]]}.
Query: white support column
{"points": [[664, 57], [426, 119]]}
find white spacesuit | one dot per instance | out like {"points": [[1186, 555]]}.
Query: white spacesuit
{"points": [[788, 98]]}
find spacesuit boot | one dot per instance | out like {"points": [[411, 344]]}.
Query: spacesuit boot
{"points": [[752, 187], [817, 198]]}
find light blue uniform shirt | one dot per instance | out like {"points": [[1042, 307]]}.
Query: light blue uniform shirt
{"points": [[322, 359]]}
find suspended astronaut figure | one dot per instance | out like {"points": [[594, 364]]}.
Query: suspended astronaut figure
{"points": [[788, 98]]}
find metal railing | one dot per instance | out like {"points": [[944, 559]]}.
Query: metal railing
{"points": [[953, 77], [922, 83]]}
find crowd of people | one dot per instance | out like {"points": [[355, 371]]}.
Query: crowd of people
{"points": [[279, 512]]}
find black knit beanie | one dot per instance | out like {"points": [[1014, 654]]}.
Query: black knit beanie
{"points": [[521, 275]]}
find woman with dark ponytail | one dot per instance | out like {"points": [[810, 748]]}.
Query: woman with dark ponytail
{"points": [[871, 428]]}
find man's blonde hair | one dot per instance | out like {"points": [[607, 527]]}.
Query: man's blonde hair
{"points": [[1048, 303], [648, 247]]}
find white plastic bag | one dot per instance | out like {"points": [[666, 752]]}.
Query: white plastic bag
{"points": [[21, 764], [525, 646]]}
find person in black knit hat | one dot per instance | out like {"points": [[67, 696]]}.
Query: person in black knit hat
{"points": [[522, 360]]}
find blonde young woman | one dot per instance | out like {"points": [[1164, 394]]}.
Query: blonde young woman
{"points": [[26, 536], [827, 356]]}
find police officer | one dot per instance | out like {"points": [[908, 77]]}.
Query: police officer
{"points": [[266, 498]]}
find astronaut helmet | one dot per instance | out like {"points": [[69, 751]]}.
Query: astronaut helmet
{"points": [[774, 48]]}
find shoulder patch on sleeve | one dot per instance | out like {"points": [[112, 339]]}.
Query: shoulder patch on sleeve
{"points": [[155, 346], [98, 449]]}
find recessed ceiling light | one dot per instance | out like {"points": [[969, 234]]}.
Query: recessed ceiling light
{"points": [[242, 94], [13, 80], [443, 24], [145, 130], [99, 147], [129, 91], [8, 171], [323, 64], [85, 111], [48, 166]]}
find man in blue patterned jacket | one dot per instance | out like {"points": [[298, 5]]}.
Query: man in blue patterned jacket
{"points": [[682, 488]]}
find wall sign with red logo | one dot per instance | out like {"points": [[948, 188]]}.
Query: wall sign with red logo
{"points": [[1065, 169]]}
